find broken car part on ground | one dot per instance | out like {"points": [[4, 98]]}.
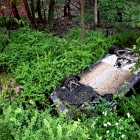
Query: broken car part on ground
{"points": [[110, 75]]}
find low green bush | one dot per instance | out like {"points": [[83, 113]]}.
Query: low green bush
{"points": [[3, 41], [5, 132], [89, 17], [2, 24], [130, 105], [126, 37], [136, 49], [109, 126], [32, 124]]}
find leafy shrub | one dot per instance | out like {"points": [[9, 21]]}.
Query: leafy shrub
{"points": [[5, 132], [136, 49], [106, 124], [119, 11], [126, 37], [2, 24], [130, 105], [32, 124], [3, 42], [109, 126], [89, 17]]}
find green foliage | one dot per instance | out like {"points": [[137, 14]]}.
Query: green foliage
{"points": [[131, 105], [38, 62], [2, 24], [5, 132], [3, 41], [109, 9], [126, 11], [9, 20], [109, 126], [126, 37], [32, 124], [136, 49], [89, 17]]}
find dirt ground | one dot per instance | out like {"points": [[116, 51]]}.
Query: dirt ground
{"points": [[62, 25]]}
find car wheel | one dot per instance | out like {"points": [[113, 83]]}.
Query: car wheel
{"points": [[113, 50], [71, 82]]}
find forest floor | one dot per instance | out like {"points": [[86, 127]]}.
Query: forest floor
{"points": [[62, 25]]}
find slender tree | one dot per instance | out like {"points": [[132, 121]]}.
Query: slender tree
{"points": [[33, 23], [96, 13], [14, 9], [44, 14], [67, 11], [51, 13], [32, 9], [82, 20], [39, 12]]}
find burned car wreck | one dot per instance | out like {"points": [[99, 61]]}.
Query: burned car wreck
{"points": [[103, 79]]}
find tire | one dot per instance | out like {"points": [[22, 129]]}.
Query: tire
{"points": [[66, 81], [113, 50]]}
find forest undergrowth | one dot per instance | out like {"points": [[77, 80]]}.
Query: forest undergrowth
{"points": [[38, 61]]}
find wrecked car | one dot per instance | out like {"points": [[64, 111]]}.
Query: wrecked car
{"points": [[104, 78]]}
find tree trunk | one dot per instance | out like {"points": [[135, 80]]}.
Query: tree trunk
{"points": [[32, 9], [15, 11], [39, 12], [33, 24], [82, 20], [96, 20], [67, 11], [51, 14], [44, 11]]}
